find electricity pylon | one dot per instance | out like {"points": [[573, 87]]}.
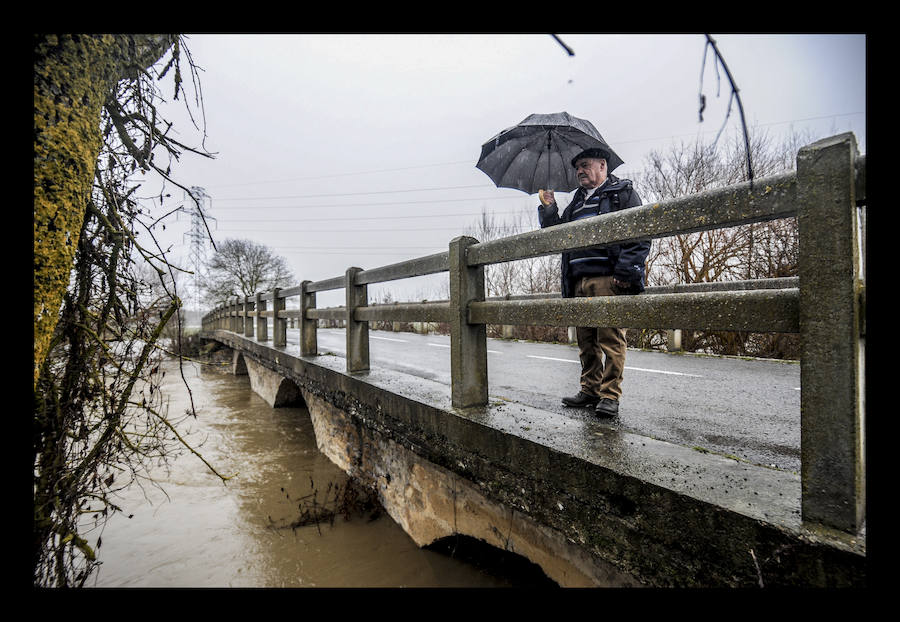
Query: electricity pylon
{"points": [[199, 206]]}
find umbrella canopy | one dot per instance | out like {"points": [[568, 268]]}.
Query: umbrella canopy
{"points": [[537, 153]]}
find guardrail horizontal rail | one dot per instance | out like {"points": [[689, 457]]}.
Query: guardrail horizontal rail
{"points": [[326, 284], [329, 313], [414, 312], [430, 264], [763, 310]]}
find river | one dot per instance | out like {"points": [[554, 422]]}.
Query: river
{"points": [[195, 531]]}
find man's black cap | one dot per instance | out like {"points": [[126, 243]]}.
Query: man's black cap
{"points": [[593, 152]]}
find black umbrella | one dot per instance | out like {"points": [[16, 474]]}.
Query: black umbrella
{"points": [[537, 153]]}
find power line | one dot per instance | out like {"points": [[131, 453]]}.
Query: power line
{"points": [[355, 252], [355, 218], [419, 202], [313, 177], [391, 230], [830, 116], [354, 248], [332, 194]]}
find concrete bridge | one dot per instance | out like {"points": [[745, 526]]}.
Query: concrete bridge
{"points": [[595, 506]]}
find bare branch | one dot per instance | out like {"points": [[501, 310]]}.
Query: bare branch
{"points": [[735, 95]]}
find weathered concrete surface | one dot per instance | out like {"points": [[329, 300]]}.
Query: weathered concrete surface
{"points": [[831, 408], [431, 502], [636, 510], [274, 388]]}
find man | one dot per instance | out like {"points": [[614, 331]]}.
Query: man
{"points": [[600, 271]]}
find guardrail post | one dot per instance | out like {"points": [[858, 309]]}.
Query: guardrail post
{"points": [[279, 324], [309, 345], [673, 340], [248, 324], [262, 328], [235, 320], [832, 441], [357, 332], [468, 342]]}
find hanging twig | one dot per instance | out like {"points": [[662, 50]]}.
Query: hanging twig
{"points": [[565, 47], [734, 95]]}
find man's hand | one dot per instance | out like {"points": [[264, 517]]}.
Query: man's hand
{"points": [[546, 197]]}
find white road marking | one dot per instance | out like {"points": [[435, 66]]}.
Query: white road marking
{"points": [[444, 345], [652, 371], [659, 371], [550, 358]]}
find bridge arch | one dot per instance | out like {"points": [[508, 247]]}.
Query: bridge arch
{"points": [[288, 394], [274, 388], [492, 560]]}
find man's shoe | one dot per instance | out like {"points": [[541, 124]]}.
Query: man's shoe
{"points": [[607, 407], [580, 400]]}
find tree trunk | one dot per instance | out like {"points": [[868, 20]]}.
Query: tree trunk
{"points": [[73, 76]]}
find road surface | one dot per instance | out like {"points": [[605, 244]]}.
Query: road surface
{"points": [[744, 408]]}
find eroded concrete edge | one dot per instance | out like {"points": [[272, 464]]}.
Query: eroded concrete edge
{"points": [[430, 502]]}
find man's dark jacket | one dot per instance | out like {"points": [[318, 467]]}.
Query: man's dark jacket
{"points": [[624, 261]]}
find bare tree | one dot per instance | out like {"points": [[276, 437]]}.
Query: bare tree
{"points": [[760, 250], [242, 268], [536, 275], [98, 414], [525, 276]]}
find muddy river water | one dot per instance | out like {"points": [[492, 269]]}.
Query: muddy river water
{"points": [[198, 532]]}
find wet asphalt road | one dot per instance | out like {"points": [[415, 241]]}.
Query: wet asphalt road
{"points": [[744, 408]]}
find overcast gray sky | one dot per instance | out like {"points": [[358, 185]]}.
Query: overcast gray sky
{"points": [[360, 150]]}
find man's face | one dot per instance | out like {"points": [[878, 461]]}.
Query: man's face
{"points": [[590, 172]]}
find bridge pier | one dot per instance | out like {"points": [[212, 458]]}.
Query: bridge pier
{"points": [[238, 364]]}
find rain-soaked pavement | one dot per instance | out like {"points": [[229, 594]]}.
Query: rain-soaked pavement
{"points": [[746, 408]]}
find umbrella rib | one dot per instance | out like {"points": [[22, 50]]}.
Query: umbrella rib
{"points": [[537, 165], [525, 149]]}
